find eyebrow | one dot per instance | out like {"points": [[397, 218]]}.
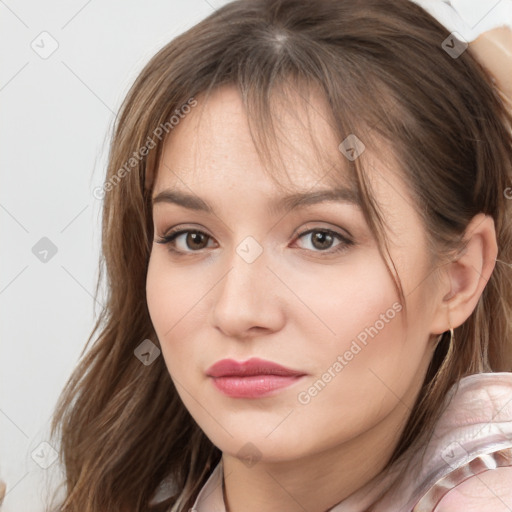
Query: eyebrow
{"points": [[289, 202]]}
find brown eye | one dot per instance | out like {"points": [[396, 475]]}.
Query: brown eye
{"points": [[191, 241], [196, 240], [323, 239]]}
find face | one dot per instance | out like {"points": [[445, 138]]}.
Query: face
{"points": [[305, 287]]}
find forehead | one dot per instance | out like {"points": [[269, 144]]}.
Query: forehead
{"points": [[218, 138]]}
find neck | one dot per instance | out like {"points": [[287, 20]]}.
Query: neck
{"points": [[317, 482]]}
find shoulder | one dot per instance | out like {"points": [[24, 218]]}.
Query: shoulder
{"points": [[490, 491]]}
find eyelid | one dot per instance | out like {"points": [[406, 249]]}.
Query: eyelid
{"points": [[185, 227], [306, 227]]}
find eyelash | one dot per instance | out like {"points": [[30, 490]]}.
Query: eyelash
{"points": [[344, 244]]}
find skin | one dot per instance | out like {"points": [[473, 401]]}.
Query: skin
{"points": [[494, 50], [296, 305]]}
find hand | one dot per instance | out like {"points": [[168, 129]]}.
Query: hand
{"points": [[488, 32], [493, 49]]}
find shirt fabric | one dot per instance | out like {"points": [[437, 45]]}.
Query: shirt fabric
{"points": [[473, 434]]}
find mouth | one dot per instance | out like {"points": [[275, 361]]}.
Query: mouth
{"points": [[253, 378]]}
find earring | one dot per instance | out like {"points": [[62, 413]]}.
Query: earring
{"points": [[451, 339], [449, 352], [450, 345]]}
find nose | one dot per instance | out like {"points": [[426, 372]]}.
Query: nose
{"points": [[249, 299]]}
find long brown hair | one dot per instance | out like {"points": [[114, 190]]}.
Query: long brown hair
{"points": [[380, 65]]}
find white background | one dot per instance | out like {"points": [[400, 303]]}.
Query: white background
{"points": [[57, 114]]}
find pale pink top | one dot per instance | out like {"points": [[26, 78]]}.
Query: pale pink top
{"points": [[474, 434]]}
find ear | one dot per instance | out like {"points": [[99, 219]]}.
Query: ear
{"points": [[465, 277]]}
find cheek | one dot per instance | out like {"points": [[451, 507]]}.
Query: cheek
{"points": [[364, 354], [347, 302], [169, 292], [173, 297], [362, 319]]}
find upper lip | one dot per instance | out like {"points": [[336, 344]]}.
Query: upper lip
{"points": [[253, 366]]}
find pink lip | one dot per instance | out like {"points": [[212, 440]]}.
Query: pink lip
{"points": [[253, 378]]}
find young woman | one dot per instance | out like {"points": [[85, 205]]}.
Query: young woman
{"points": [[307, 238]]}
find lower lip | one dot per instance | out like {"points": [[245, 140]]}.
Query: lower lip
{"points": [[254, 386]]}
